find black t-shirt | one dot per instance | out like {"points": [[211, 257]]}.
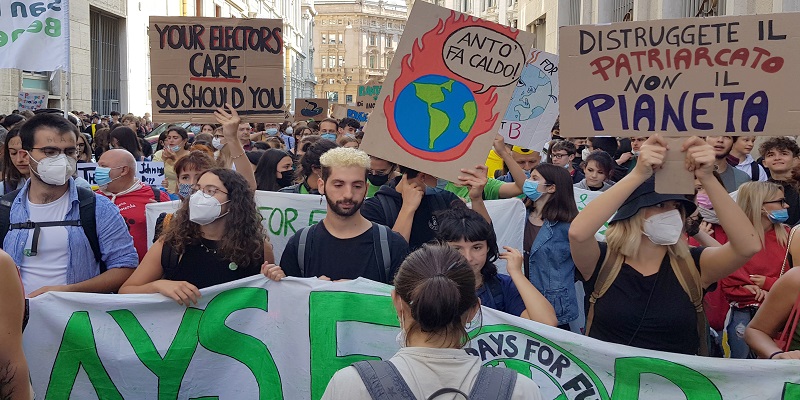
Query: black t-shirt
{"points": [[201, 267], [670, 323], [342, 258]]}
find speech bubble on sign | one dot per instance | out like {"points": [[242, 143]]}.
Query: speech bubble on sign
{"points": [[483, 56]]}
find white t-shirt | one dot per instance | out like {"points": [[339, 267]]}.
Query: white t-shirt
{"points": [[49, 266], [426, 370]]}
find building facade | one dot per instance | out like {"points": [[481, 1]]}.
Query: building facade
{"points": [[110, 55], [544, 17], [505, 12], [354, 43]]}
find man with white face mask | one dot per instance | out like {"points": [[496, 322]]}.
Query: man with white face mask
{"points": [[116, 176], [49, 235]]}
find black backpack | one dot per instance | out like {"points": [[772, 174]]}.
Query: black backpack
{"points": [[384, 382], [87, 221], [380, 245]]}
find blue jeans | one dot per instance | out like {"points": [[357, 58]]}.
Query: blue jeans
{"points": [[737, 322]]}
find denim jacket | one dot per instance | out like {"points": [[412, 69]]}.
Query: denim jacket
{"points": [[552, 270]]}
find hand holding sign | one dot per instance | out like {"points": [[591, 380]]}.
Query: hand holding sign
{"points": [[651, 157], [700, 157]]}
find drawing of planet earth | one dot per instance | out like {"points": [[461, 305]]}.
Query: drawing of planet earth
{"points": [[533, 93], [435, 113]]}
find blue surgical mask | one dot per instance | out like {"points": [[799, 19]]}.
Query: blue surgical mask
{"points": [[778, 216], [531, 190], [527, 173], [329, 136], [289, 130], [175, 149], [272, 131], [102, 176], [441, 183]]}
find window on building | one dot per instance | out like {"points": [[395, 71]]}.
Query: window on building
{"points": [[324, 62], [373, 39], [574, 12], [389, 40], [332, 96], [105, 62], [465, 6], [373, 61], [701, 8], [340, 38], [198, 8], [324, 39], [387, 61], [341, 61], [623, 10], [349, 98], [332, 61], [217, 11], [331, 81], [514, 23]]}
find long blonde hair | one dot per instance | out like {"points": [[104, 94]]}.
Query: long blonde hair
{"points": [[751, 198]]}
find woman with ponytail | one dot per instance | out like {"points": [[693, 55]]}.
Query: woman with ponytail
{"points": [[434, 296]]}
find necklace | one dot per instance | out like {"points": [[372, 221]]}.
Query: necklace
{"points": [[208, 250]]}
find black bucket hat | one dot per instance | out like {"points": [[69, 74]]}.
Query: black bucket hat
{"points": [[646, 196]]}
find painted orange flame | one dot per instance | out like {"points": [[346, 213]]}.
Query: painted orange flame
{"points": [[426, 59]]}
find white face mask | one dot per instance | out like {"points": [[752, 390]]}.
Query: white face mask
{"points": [[289, 130], [204, 209], [55, 171], [217, 143], [664, 229], [585, 153]]}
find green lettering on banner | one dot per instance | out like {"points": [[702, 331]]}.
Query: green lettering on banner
{"points": [[215, 336], [311, 220], [628, 372], [170, 369], [326, 309], [790, 391], [52, 27], [78, 349]]}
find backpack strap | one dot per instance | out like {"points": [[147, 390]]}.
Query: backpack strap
{"points": [[301, 249], [156, 193], [755, 173], [497, 292], [380, 244], [169, 260], [5, 214], [608, 273], [689, 278], [389, 209], [494, 383], [89, 224], [383, 381]]}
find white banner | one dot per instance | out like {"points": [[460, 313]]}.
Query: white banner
{"points": [[34, 35], [149, 172], [286, 213], [257, 339], [534, 105]]}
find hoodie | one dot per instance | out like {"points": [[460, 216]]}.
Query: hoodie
{"points": [[424, 226]]}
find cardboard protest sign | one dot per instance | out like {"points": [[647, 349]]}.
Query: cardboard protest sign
{"points": [[360, 116], [199, 64], [339, 111], [696, 76], [259, 339], [32, 100], [34, 35], [367, 97], [534, 105], [310, 109], [446, 91], [149, 172]]}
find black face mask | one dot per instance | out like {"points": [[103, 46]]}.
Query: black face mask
{"points": [[285, 179], [378, 180]]}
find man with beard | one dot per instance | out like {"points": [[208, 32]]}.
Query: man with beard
{"points": [[344, 245], [732, 178]]}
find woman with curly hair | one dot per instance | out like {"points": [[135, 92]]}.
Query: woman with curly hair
{"points": [[215, 237]]}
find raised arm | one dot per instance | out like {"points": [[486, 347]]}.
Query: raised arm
{"points": [[719, 262], [582, 243], [513, 168], [476, 179], [537, 308], [13, 367], [771, 318], [230, 125]]}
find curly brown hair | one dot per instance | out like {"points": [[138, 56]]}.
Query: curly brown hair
{"points": [[243, 241]]}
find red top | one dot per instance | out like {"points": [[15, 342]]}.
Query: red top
{"points": [[767, 262], [132, 207], [716, 306]]}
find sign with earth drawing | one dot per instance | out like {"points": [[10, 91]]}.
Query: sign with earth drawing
{"points": [[446, 91], [534, 105]]}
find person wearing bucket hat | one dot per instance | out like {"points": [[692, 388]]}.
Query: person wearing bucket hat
{"points": [[646, 284]]}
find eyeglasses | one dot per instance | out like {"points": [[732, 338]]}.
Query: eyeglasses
{"points": [[53, 152], [781, 201], [208, 190], [559, 156]]}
